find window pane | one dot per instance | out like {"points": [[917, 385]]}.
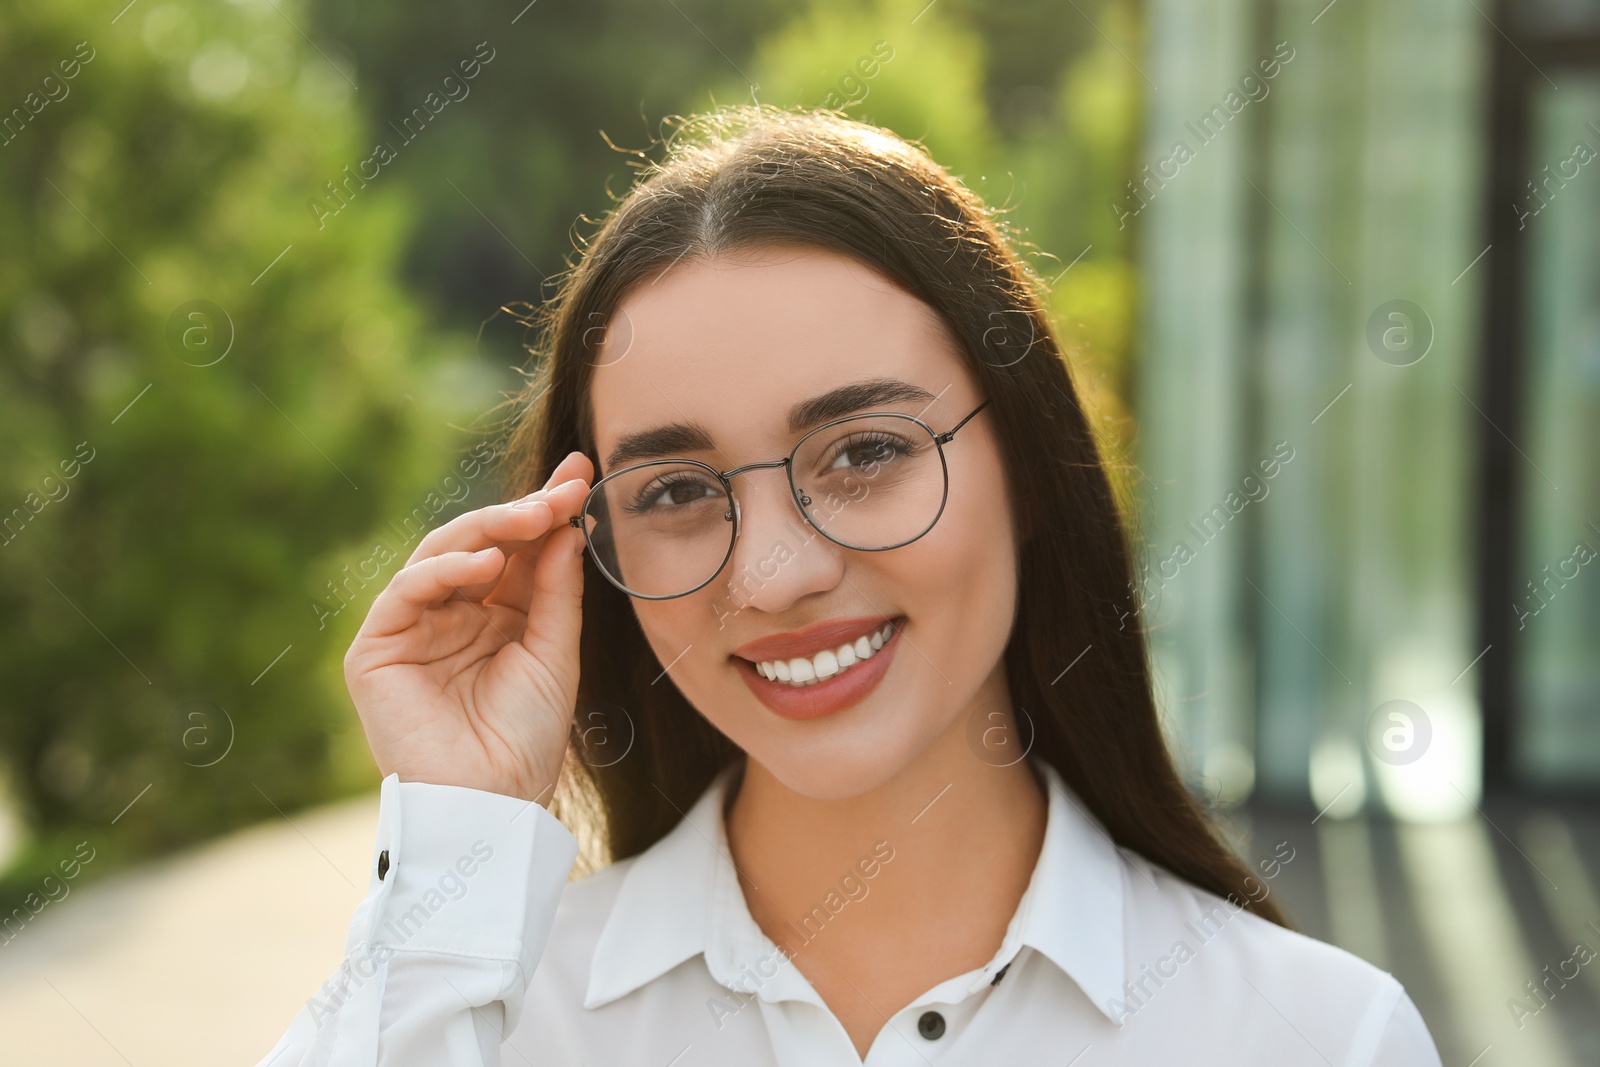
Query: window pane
{"points": [[1558, 575]]}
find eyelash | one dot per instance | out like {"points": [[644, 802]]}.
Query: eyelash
{"points": [[647, 497], [876, 437]]}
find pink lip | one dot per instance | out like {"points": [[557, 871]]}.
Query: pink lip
{"points": [[825, 698]]}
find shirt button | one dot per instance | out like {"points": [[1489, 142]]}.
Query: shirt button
{"points": [[383, 864], [931, 1025]]}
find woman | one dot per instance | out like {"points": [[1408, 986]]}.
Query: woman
{"points": [[855, 700]]}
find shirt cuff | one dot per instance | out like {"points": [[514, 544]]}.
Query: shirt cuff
{"points": [[462, 871]]}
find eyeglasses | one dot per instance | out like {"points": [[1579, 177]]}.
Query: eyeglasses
{"points": [[665, 528]]}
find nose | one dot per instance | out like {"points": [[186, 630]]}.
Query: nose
{"points": [[778, 556]]}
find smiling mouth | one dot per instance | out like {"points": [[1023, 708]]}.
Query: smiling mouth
{"points": [[800, 672]]}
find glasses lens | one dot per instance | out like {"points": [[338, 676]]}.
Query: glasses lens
{"points": [[872, 482], [660, 529]]}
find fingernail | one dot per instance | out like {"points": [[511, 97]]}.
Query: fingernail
{"points": [[523, 505]]}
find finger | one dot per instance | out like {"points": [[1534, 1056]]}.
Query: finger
{"points": [[513, 586], [514, 589], [555, 616], [530, 519], [422, 585], [574, 465], [510, 527]]}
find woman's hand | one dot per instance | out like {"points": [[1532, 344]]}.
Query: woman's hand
{"points": [[465, 671]]}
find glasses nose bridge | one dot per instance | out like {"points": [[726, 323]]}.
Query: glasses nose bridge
{"points": [[729, 474], [785, 462]]}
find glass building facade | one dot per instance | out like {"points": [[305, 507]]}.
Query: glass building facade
{"points": [[1369, 397]]}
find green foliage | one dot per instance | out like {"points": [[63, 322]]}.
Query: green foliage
{"points": [[502, 178], [922, 79], [207, 504]]}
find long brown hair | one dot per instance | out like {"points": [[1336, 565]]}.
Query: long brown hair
{"points": [[752, 175]]}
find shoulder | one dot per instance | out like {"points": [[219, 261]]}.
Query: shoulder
{"points": [[1252, 976], [1163, 908]]}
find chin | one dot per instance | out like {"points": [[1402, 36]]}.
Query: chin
{"points": [[841, 759]]}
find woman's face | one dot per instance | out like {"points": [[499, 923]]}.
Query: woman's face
{"points": [[731, 346]]}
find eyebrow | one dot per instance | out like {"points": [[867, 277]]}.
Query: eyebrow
{"points": [[679, 437]]}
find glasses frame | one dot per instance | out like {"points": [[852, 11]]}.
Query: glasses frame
{"points": [[800, 499]]}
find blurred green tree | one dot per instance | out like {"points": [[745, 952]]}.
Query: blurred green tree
{"points": [[208, 406]]}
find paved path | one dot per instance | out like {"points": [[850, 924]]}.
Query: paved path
{"points": [[201, 959]]}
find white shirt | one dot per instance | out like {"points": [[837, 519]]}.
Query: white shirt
{"points": [[473, 949]]}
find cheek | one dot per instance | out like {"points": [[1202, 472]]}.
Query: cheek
{"points": [[973, 544], [969, 557], [688, 636], [676, 631], [958, 583]]}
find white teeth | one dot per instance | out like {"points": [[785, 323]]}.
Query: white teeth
{"points": [[804, 671], [827, 664]]}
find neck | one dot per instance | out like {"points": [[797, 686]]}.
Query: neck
{"points": [[897, 888]]}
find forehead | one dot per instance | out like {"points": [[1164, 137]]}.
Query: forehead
{"points": [[733, 343]]}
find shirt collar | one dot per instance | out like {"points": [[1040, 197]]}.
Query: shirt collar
{"points": [[664, 910], [1072, 911], [681, 898]]}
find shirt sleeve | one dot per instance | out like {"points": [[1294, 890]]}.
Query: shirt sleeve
{"points": [[462, 891], [1405, 1041]]}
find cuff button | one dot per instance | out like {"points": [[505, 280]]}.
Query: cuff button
{"points": [[383, 864], [931, 1025]]}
